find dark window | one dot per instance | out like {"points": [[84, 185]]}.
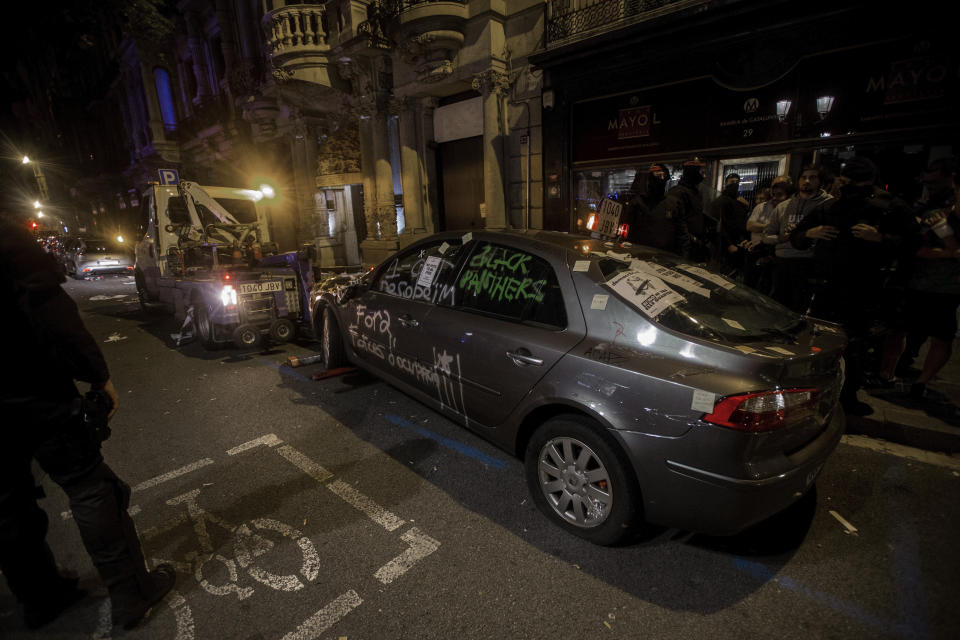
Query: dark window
{"points": [[177, 210], [511, 284], [419, 274], [165, 96], [245, 211]]}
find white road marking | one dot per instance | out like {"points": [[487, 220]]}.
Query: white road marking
{"points": [[183, 614], [133, 510], [421, 545], [929, 457], [304, 463], [104, 621], [326, 617], [170, 475], [846, 525], [361, 502], [269, 440]]}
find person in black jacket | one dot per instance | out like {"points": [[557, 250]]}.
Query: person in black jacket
{"points": [[678, 224], [643, 200], [732, 214], [855, 239], [42, 420]]}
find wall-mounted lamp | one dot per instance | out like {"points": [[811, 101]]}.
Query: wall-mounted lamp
{"points": [[783, 108], [547, 99], [824, 105]]}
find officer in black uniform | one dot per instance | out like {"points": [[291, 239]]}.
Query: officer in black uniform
{"points": [[46, 350]]}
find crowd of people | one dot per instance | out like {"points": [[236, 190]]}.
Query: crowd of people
{"points": [[837, 248]]}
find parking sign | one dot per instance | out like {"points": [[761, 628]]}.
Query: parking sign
{"points": [[169, 176]]}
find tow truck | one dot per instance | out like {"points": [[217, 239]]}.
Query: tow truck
{"points": [[206, 256]]}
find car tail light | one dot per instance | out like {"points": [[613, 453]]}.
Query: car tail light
{"points": [[592, 222], [623, 230], [764, 411]]}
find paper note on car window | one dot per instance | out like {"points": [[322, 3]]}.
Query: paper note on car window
{"points": [[618, 256], [709, 277], [599, 301], [443, 248], [467, 237], [429, 271], [703, 401], [581, 265], [744, 348], [734, 324], [669, 275], [646, 292]]}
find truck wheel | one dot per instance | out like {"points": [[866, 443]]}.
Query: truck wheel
{"points": [[246, 336], [282, 330], [146, 304], [205, 329], [331, 341]]}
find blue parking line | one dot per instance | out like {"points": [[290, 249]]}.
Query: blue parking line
{"points": [[763, 572], [447, 442], [287, 371]]}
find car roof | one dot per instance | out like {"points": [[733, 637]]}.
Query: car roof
{"points": [[578, 243]]}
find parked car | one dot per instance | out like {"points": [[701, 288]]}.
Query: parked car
{"points": [[636, 387], [85, 257]]}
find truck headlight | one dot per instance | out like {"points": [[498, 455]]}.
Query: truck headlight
{"points": [[228, 295]]}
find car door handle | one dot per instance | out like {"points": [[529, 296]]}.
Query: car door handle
{"points": [[408, 321], [522, 359]]}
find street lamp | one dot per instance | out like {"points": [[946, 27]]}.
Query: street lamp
{"points": [[41, 179]]}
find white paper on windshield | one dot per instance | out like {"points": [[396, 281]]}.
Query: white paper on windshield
{"points": [[780, 350], [429, 271], [581, 265], [599, 301], [670, 276], [744, 348], [467, 237], [444, 248], [646, 292], [706, 275], [619, 256], [733, 323], [703, 401]]}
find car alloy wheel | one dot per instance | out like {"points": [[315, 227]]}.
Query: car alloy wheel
{"points": [[579, 479]]}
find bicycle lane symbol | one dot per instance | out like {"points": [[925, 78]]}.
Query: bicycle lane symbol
{"points": [[247, 545]]}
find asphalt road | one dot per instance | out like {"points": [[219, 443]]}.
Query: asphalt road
{"points": [[340, 508]]}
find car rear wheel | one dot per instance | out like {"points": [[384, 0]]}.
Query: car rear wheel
{"points": [[581, 480], [205, 330], [147, 305], [331, 341]]}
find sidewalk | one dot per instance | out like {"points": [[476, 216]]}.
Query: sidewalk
{"points": [[932, 424]]}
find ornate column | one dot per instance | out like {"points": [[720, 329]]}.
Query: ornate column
{"points": [[494, 86], [428, 156], [383, 174], [411, 165], [197, 52]]}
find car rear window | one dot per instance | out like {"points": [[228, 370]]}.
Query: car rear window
{"points": [[700, 303], [94, 245]]}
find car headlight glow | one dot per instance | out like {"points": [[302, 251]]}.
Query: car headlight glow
{"points": [[228, 295]]}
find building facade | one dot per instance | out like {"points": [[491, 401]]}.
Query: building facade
{"points": [[759, 88], [375, 122]]}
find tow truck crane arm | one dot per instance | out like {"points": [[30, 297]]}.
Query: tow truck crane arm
{"points": [[198, 195]]}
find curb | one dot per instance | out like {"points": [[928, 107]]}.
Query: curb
{"points": [[946, 440]]}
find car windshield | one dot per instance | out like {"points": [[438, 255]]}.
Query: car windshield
{"points": [[694, 301]]}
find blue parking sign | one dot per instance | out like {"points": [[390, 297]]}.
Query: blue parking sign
{"points": [[169, 176]]}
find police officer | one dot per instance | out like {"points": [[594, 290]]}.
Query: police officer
{"points": [[49, 348]]}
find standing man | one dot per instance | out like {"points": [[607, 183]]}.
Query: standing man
{"points": [[759, 267], [732, 213], [43, 419], [793, 268], [679, 217], [853, 238], [644, 200]]}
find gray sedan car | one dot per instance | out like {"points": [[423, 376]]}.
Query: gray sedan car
{"points": [[636, 387], [88, 257]]}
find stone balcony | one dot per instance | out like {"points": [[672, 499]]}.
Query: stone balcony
{"points": [[297, 43], [573, 20]]}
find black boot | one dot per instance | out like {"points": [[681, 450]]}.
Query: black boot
{"points": [[131, 602]]}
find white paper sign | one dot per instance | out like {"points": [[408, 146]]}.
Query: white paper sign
{"points": [[646, 292], [618, 256], [599, 301], [703, 401], [745, 348], [581, 265], [444, 248], [669, 275], [709, 277], [467, 237], [429, 271], [733, 323]]}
